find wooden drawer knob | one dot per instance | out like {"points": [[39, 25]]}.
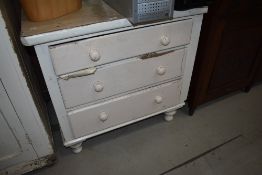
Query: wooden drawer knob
{"points": [[158, 99], [98, 87], [94, 55], [165, 40], [161, 70], [103, 116]]}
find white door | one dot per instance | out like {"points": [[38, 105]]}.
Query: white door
{"points": [[15, 145]]}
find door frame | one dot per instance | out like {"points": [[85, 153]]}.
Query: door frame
{"points": [[17, 88]]}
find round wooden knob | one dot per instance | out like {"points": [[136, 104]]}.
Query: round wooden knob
{"points": [[94, 55], [98, 87], [165, 40], [161, 70], [103, 116], [158, 99]]}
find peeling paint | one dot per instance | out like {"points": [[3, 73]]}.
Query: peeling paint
{"points": [[30, 166]]}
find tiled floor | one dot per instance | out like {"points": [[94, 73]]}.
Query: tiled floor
{"points": [[222, 138]]}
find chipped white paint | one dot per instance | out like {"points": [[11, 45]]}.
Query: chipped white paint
{"points": [[127, 76], [190, 56], [99, 28], [81, 139], [23, 135], [125, 108], [73, 32], [119, 46], [157, 85]]}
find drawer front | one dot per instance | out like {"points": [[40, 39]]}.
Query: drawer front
{"points": [[124, 109], [109, 48], [121, 77]]}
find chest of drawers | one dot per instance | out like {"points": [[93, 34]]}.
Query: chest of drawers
{"points": [[101, 81]]}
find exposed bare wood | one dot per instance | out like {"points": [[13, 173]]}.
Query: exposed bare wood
{"points": [[93, 11]]}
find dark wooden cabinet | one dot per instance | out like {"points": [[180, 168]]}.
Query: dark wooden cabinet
{"points": [[258, 76], [229, 53]]}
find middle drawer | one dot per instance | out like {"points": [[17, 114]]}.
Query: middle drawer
{"points": [[120, 77]]}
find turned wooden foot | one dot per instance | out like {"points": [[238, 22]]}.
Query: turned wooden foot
{"points": [[169, 116], [77, 148]]}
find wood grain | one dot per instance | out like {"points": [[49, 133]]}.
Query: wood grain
{"points": [[41, 10], [92, 11]]}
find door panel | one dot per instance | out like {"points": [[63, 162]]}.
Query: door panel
{"points": [[236, 57], [15, 146], [9, 145]]}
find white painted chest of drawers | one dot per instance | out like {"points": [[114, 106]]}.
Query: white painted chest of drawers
{"points": [[102, 80]]}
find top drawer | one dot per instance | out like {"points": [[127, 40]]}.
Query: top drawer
{"points": [[91, 52]]}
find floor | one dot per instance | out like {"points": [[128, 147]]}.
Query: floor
{"points": [[222, 138]]}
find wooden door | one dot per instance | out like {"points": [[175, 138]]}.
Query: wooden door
{"points": [[15, 145]]}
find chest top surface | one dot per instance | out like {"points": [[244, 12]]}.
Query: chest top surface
{"points": [[95, 16]]}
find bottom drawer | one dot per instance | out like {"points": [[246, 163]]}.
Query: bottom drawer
{"points": [[111, 113]]}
